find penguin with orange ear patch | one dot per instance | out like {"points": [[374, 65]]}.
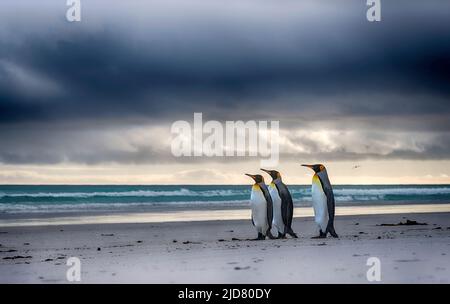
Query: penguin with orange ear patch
{"points": [[323, 201]]}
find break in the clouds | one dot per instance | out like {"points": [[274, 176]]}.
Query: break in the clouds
{"points": [[106, 89]]}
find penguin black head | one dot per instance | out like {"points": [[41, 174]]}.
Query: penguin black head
{"points": [[273, 173], [257, 178], [317, 167]]}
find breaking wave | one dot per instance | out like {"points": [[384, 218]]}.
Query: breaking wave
{"points": [[121, 198]]}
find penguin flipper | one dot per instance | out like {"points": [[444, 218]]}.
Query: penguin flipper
{"points": [[287, 206], [290, 213], [269, 205], [270, 213]]}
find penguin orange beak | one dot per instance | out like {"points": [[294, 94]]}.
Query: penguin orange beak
{"points": [[309, 166], [267, 171]]}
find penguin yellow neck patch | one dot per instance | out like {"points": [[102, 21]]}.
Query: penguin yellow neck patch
{"points": [[256, 187], [316, 179]]}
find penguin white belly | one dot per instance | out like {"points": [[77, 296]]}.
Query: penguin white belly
{"points": [[259, 210], [277, 221], [319, 204]]}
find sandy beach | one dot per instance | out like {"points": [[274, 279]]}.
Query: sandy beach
{"points": [[219, 251]]}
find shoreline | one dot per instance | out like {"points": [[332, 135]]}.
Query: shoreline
{"points": [[212, 215]]}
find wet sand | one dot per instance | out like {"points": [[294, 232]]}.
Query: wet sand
{"points": [[206, 215]]}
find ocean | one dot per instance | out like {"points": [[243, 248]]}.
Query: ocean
{"points": [[16, 200]]}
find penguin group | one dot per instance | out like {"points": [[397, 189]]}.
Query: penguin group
{"points": [[272, 206]]}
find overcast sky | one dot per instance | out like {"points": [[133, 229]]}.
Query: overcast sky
{"points": [[93, 101]]}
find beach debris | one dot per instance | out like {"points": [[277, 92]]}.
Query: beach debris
{"points": [[189, 242], [10, 250], [356, 224], [437, 228], [139, 242], [235, 239], [18, 257], [107, 234], [407, 223], [221, 240], [241, 268], [174, 241], [48, 260], [26, 244], [379, 238], [119, 246], [99, 249], [230, 231], [407, 260], [321, 244]]}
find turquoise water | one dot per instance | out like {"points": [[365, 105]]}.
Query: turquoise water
{"points": [[57, 199]]}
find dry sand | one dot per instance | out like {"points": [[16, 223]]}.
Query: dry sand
{"points": [[218, 252]]}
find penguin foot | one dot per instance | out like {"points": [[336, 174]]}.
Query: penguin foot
{"points": [[281, 235], [333, 232], [269, 235], [321, 235], [260, 237], [291, 232]]}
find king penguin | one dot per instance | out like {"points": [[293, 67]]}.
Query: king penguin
{"points": [[323, 201], [261, 204], [283, 207]]}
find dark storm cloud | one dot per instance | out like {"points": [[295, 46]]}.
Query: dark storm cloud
{"points": [[300, 62]]}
